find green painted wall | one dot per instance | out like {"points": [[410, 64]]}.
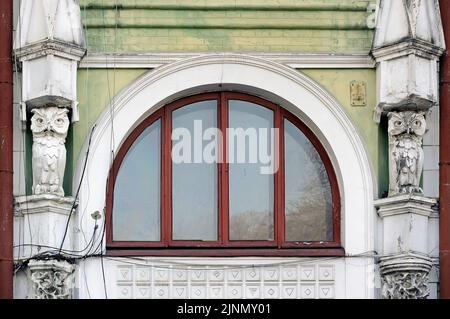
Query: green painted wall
{"points": [[94, 96], [227, 25], [337, 82], [96, 88]]}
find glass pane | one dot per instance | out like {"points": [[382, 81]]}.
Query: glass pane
{"points": [[194, 181], [251, 202], [136, 212], [308, 198]]}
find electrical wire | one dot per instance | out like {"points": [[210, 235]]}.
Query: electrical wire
{"points": [[78, 189]]}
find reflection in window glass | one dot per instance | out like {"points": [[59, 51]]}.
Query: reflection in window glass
{"points": [[136, 211], [308, 202], [194, 185], [251, 194]]}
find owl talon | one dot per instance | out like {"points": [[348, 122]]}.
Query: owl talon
{"points": [[38, 190]]}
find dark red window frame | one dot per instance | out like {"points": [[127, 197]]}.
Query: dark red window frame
{"points": [[223, 246]]}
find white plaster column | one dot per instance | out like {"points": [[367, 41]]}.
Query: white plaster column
{"points": [[48, 45], [407, 46]]}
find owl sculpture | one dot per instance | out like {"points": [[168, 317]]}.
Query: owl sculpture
{"points": [[49, 126], [405, 130]]}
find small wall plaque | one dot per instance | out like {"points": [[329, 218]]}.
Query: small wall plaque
{"points": [[358, 93]]}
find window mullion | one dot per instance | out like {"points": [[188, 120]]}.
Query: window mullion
{"points": [[167, 212], [279, 179], [224, 198]]}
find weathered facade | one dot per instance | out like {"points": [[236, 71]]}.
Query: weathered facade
{"points": [[359, 78]]}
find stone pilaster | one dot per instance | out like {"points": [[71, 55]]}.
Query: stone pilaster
{"points": [[407, 46], [42, 220], [49, 46], [405, 264]]}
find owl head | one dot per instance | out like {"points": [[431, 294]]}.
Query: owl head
{"points": [[408, 122], [50, 121]]}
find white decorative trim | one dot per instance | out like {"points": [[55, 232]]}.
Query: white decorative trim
{"points": [[50, 47], [405, 262], [159, 280], [408, 47], [45, 203], [298, 61], [401, 204], [270, 80]]}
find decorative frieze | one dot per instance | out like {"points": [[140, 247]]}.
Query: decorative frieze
{"points": [[162, 281], [51, 279]]}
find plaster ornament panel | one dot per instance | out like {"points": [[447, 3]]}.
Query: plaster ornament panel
{"points": [[49, 126], [125, 291], [216, 292], [180, 292], [216, 275], [160, 280], [289, 292], [405, 131], [234, 292], [271, 291], [308, 291], [180, 275], [51, 279], [142, 274], [253, 292], [326, 291], [198, 292], [142, 292]]}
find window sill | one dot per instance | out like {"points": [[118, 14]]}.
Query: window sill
{"points": [[229, 252]]}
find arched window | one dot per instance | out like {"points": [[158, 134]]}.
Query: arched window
{"points": [[223, 173]]}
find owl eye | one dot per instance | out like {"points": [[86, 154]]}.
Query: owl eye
{"points": [[59, 121], [397, 123], [40, 121], [417, 123]]}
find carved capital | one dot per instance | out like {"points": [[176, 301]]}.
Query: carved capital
{"points": [[405, 285], [51, 279], [406, 157], [49, 126], [405, 276]]}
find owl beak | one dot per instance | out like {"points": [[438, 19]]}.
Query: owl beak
{"points": [[409, 129]]}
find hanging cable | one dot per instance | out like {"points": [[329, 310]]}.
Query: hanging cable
{"points": [[78, 189]]}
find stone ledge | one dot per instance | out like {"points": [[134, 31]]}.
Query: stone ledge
{"points": [[45, 203], [50, 47], [405, 204], [406, 47], [405, 262]]}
